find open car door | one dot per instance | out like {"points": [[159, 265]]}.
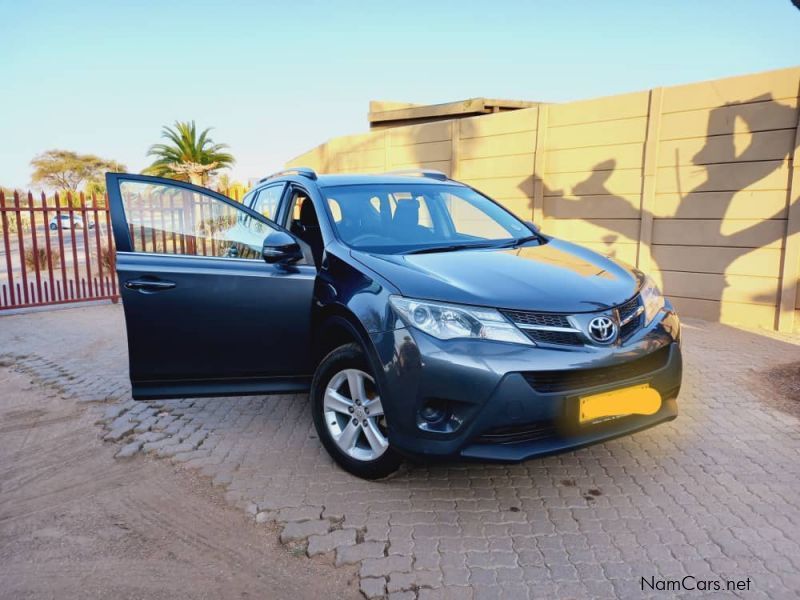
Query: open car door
{"points": [[205, 314]]}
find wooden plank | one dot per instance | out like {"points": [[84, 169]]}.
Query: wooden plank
{"points": [[625, 156], [455, 150], [603, 133], [626, 252], [439, 165], [506, 144], [608, 108], [734, 177], [503, 166], [790, 266], [779, 84], [726, 120], [367, 159], [714, 232], [539, 160], [651, 148], [743, 146], [358, 142], [502, 187], [499, 123], [609, 231], [519, 206], [747, 204], [427, 152], [733, 313], [419, 134], [763, 262], [712, 286], [381, 112], [591, 207], [621, 182]]}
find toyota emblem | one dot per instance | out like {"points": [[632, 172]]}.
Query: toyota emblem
{"points": [[602, 330]]}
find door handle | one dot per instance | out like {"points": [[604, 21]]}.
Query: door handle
{"points": [[149, 285]]}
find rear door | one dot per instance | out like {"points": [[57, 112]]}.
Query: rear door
{"points": [[205, 315]]}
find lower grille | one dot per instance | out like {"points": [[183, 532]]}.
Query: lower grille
{"points": [[529, 432], [544, 336], [549, 382]]}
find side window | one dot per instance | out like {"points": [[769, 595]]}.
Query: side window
{"points": [[267, 201], [169, 219]]}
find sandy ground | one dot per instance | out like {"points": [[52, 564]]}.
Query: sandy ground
{"points": [[76, 523]]}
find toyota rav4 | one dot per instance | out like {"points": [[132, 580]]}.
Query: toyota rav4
{"points": [[423, 318]]}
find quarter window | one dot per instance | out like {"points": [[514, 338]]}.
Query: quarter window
{"points": [[267, 201], [169, 219]]}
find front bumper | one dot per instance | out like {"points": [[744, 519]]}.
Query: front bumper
{"points": [[500, 408]]}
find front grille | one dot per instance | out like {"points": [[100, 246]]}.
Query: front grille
{"points": [[549, 382], [529, 432], [569, 338], [531, 318]]}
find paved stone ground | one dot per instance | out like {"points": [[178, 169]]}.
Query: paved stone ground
{"points": [[713, 494]]}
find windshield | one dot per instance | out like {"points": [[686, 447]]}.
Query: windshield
{"points": [[418, 217]]}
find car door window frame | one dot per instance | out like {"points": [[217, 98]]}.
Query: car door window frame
{"points": [[261, 190], [121, 231]]}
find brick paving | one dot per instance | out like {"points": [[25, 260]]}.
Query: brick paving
{"points": [[714, 494]]}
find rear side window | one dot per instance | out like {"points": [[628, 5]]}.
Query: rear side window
{"points": [[169, 219], [268, 199]]}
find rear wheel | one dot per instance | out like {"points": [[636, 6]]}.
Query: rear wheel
{"points": [[348, 414]]}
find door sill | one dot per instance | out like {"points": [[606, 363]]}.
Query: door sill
{"points": [[161, 390]]}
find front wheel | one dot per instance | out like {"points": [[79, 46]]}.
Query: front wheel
{"points": [[348, 414]]}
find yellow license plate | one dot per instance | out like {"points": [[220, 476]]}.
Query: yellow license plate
{"points": [[635, 400]]}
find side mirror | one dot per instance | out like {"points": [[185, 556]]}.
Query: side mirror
{"points": [[533, 226], [281, 248]]}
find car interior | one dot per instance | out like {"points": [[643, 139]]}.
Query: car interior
{"points": [[305, 225]]}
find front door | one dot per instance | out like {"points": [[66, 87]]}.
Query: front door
{"points": [[205, 315]]}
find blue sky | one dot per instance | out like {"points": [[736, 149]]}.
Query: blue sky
{"points": [[276, 78]]}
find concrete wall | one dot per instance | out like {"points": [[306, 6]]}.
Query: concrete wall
{"points": [[697, 184]]}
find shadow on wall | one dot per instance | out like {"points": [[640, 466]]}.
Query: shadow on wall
{"points": [[717, 150]]}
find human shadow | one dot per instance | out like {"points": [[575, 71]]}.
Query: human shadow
{"points": [[720, 148]]}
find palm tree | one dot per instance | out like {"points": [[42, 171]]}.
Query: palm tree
{"points": [[188, 157]]}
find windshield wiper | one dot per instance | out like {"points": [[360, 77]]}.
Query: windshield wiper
{"points": [[450, 248], [519, 241]]}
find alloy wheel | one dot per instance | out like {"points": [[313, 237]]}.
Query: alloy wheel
{"points": [[354, 415]]}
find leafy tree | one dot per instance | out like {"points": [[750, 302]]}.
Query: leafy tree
{"points": [[233, 189], [188, 156], [67, 170]]}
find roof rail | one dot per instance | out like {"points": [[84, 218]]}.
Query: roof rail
{"points": [[433, 174], [301, 171]]}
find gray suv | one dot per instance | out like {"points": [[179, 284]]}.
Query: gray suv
{"points": [[423, 318]]}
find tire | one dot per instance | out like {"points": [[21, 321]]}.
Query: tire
{"points": [[53, 227], [336, 412]]}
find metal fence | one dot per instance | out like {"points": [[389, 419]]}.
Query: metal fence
{"points": [[55, 250]]}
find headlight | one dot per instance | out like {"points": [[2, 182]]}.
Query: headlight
{"points": [[652, 299], [450, 321]]}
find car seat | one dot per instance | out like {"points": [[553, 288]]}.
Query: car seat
{"points": [[308, 229], [405, 223]]}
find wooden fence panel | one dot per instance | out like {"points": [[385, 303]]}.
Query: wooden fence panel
{"points": [[697, 183]]}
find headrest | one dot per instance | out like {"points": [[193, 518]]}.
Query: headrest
{"points": [[406, 213], [308, 215]]}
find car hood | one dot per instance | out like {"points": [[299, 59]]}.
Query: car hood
{"points": [[552, 277]]}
